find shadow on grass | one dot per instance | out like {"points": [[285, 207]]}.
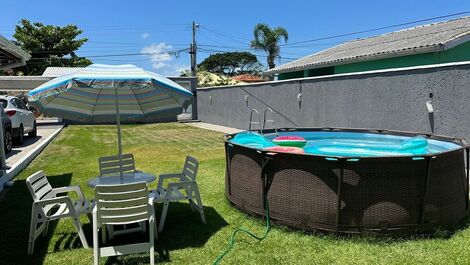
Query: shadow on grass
{"points": [[15, 212], [183, 229]]}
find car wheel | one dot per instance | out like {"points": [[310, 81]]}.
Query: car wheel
{"points": [[20, 138], [34, 132], [7, 141]]}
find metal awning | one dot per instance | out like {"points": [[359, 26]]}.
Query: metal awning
{"points": [[11, 55]]}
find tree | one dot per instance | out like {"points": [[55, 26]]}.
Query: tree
{"points": [[231, 64], [49, 46], [267, 39]]}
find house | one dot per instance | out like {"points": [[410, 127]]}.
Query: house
{"points": [[247, 78], [55, 71], [11, 56], [441, 42]]}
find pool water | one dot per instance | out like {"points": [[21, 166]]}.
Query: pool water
{"points": [[352, 143]]}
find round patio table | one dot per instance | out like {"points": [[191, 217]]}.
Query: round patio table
{"points": [[127, 178]]}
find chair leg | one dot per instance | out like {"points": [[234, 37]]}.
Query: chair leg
{"points": [[152, 240], [199, 204], [32, 230], [96, 250], [81, 234], [163, 216]]}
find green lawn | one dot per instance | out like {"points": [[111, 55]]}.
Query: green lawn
{"points": [[72, 157]]}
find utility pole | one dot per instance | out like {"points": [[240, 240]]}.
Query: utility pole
{"points": [[193, 50]]}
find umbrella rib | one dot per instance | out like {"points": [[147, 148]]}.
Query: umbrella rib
{"points": [[96, 102], [136, 99], [56, 95]]}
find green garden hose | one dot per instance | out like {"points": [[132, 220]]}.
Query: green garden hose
{"points": [[231, 243]]}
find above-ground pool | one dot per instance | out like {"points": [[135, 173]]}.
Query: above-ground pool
{"points": [[350, 180]]}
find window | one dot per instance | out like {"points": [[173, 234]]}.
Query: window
{"points": [[13, 103], [21, 104], [4, 103]]}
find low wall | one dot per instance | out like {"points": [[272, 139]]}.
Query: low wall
{"points": [[390, 99]]}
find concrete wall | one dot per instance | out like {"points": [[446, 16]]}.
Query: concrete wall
{"points": [[388, 99]]}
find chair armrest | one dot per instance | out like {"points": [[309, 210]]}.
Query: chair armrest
{"points": [[162, 177], [55, 200], [68, 189], [181, 185]]}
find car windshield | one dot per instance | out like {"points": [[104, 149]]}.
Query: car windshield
{"points": [[4, 103]]}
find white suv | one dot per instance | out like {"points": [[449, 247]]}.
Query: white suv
{"points": [[22, 119]]}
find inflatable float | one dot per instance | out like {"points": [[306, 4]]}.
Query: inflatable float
{"points": [[290, 140], [414, 146], [286, 149], [252, 139]]}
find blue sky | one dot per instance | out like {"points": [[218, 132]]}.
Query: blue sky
{"points": [[163, 28]]}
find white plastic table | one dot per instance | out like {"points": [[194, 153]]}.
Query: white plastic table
{"points": [[127, 178]]}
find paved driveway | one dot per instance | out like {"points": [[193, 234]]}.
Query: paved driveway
{"points": [[18, 152]]}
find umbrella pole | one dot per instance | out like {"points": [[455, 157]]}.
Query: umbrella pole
{"points": [[118, 122]]}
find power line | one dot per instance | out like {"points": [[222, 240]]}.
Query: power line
{"points": [[265, 56], [175, 52], [132, 43], [380, 28], [224, 36]]}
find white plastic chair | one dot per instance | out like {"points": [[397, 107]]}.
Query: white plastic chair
{"points": [[122, 205], [185, 189], [110, 165], [48, 206]]}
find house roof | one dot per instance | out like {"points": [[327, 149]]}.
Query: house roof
{"points": [[421, 39], [53, 71], [11, 55], [247, 78]]}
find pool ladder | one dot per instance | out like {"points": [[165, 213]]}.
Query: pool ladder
{"points": [[265, 120]]}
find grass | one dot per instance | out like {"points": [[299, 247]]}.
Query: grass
{"points": [[72, 157]]}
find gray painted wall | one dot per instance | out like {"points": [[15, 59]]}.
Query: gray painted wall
{"points": [[394, 99]]}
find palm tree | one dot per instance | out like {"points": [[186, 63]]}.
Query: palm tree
{"points": [[267, 39]]}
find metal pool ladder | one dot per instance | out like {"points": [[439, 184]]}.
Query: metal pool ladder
{"points": [[254, 111], [266, 110]]}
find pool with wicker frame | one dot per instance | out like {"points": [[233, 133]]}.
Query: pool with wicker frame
{"points": [[370, 195]]}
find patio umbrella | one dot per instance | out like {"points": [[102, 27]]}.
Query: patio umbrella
{"points": [[111, 93]]}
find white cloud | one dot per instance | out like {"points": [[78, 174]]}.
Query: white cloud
{"points": [[162, 60], [145, 35], [158, 54]]}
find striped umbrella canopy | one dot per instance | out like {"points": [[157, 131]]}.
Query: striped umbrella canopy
{"points": [[90, 95], [111, 93]]}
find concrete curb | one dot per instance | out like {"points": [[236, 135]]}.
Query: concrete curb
{"points": [[24, 162]]}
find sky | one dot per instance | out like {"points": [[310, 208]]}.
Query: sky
{"points": [[155, 35]]}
